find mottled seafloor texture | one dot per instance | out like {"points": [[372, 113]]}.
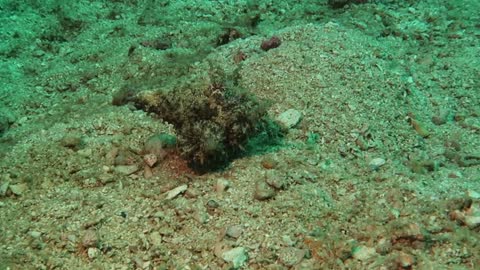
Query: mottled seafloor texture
{"points": [[348, 134]]}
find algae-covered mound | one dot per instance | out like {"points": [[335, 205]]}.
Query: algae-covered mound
{"points": [[214, 122]]}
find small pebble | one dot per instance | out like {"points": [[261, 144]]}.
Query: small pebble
{"points": [[93, 253], [234, 231], [473, 194], [405, 261], [237, 256], [126, 169], [271, 43], [289, 118], [150, 159], [89, 239], [363, 253], [35, 234], [222, 185], [263, 191], [472, 221], [71, 141], [291, 256], [18, 189], [176, 191], [4, 188], [156, 239], [85, 152], [275, 180], [376, 163], [201, 216]]}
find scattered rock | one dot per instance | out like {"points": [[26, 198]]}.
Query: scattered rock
{"points": [[93, 253], [441, 117], [3, 188], [201, 216], [126, 169], [405, 261], [271, 43], [212, 204], [89, 239], [156, 239], [275, 181], [222, 185], [473, 194], [291, 256], [175, 192], [289, 118], [18, 189], [420, 128], [150, 159], [234, 231], [35, 234], [269, 163], [71, 140], [263, 191], [147, 172], [469, 215], [237, 256], [363, 253], [86, 153], [192, 193], [376, 163]]}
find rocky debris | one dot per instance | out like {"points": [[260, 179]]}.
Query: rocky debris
{"points": [[468, 213], [4, 188], [200, 215], [376, 163], [35, 234], [222, 185], [93, 253], [150, 160], [263, 191], [363, 253], [276, 181], [156, 239], [405, 261], [72, 141], [175, 192], [269, 163], [271, 43], [18, 189], [126, 169], [234, 231], [237, 256], [291, 256], [289, 118]]}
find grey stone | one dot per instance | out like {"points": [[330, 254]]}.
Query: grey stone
{"points": [[263, 191], [289, 118]]}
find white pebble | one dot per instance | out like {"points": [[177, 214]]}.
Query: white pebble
{"points": [[363, 253], [176, 191], [93, 253], [237, 256], [376, 163], [289, 118]]}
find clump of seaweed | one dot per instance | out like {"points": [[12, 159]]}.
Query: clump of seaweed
{"points": [[215, 123]]}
